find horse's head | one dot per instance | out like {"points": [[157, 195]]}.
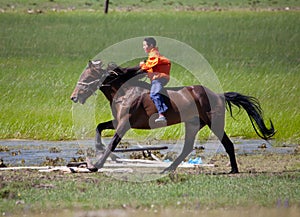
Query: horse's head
{"points": [[90, 80], [94, 77]]}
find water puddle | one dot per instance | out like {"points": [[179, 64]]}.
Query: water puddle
{"points": [[37, 153]]}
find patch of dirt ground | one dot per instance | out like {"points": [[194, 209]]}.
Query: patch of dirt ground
{"points": [[249, 165]]}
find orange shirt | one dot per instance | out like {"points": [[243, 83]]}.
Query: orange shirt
{"points": [[157, 66]]}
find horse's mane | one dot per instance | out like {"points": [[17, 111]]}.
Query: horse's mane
{"points": [[117, 74], [131, 75]]}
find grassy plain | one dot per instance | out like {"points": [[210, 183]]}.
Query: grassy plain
{"points": [[265, 181], [42, 55], [149, 5]]}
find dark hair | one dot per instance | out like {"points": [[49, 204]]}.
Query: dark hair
{"points": [[150, 41]]}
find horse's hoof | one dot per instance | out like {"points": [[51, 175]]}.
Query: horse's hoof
{"points": [[93, 169], [167, 171], [234, 171], [90, 166], [164, 172], [77, 164]]}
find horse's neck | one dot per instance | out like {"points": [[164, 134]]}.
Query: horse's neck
{"points": [[109, 92], [112, 92]]}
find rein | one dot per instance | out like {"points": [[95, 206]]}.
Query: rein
{"points": [[120, 76], [87, 85], [115, 79]]}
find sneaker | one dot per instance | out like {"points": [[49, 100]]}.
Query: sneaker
{"points": [[161, 119]]}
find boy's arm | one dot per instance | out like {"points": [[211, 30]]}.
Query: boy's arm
{"points": [[150, 63]]}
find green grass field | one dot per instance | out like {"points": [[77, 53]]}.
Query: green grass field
{"points": [[265, 181], [148, 5], [42, 56], [253, 47], [187, 191]]}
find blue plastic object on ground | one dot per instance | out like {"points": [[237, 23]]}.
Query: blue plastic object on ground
{"points": [[197, 160]]}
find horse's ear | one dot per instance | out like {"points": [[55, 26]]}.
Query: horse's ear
{"points": [[90, 63], [97, 62]]}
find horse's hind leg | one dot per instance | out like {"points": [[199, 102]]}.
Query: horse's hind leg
{"points": [[217, 123], [191, 130], [228, 145], [229, 148]]}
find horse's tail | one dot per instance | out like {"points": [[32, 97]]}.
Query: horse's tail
{"points": [[254, 111]]}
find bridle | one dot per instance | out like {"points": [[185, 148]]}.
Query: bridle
{"points": [[91, 86], [88, 86]]}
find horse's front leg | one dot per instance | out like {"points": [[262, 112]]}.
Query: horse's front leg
{"points": [[102, 126], [120, 132]]}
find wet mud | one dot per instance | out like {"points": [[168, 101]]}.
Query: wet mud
{"points": [[49, 153]]}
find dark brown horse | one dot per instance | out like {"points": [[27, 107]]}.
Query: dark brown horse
{"points": [[196, 106]]}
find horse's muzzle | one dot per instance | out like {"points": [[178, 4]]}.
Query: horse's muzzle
{"points": [[74, 99]]}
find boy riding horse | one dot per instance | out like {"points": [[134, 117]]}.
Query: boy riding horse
{"points": [[158, 70]]}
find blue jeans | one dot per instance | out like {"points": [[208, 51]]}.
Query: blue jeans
{"points": [[156, 95]]}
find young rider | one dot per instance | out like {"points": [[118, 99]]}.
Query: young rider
{"points": [[158, 70]]}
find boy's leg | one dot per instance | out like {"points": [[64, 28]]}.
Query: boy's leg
{"points": [[156, 96]]}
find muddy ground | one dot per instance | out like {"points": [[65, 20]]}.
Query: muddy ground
{"points": [[250, 165]]}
